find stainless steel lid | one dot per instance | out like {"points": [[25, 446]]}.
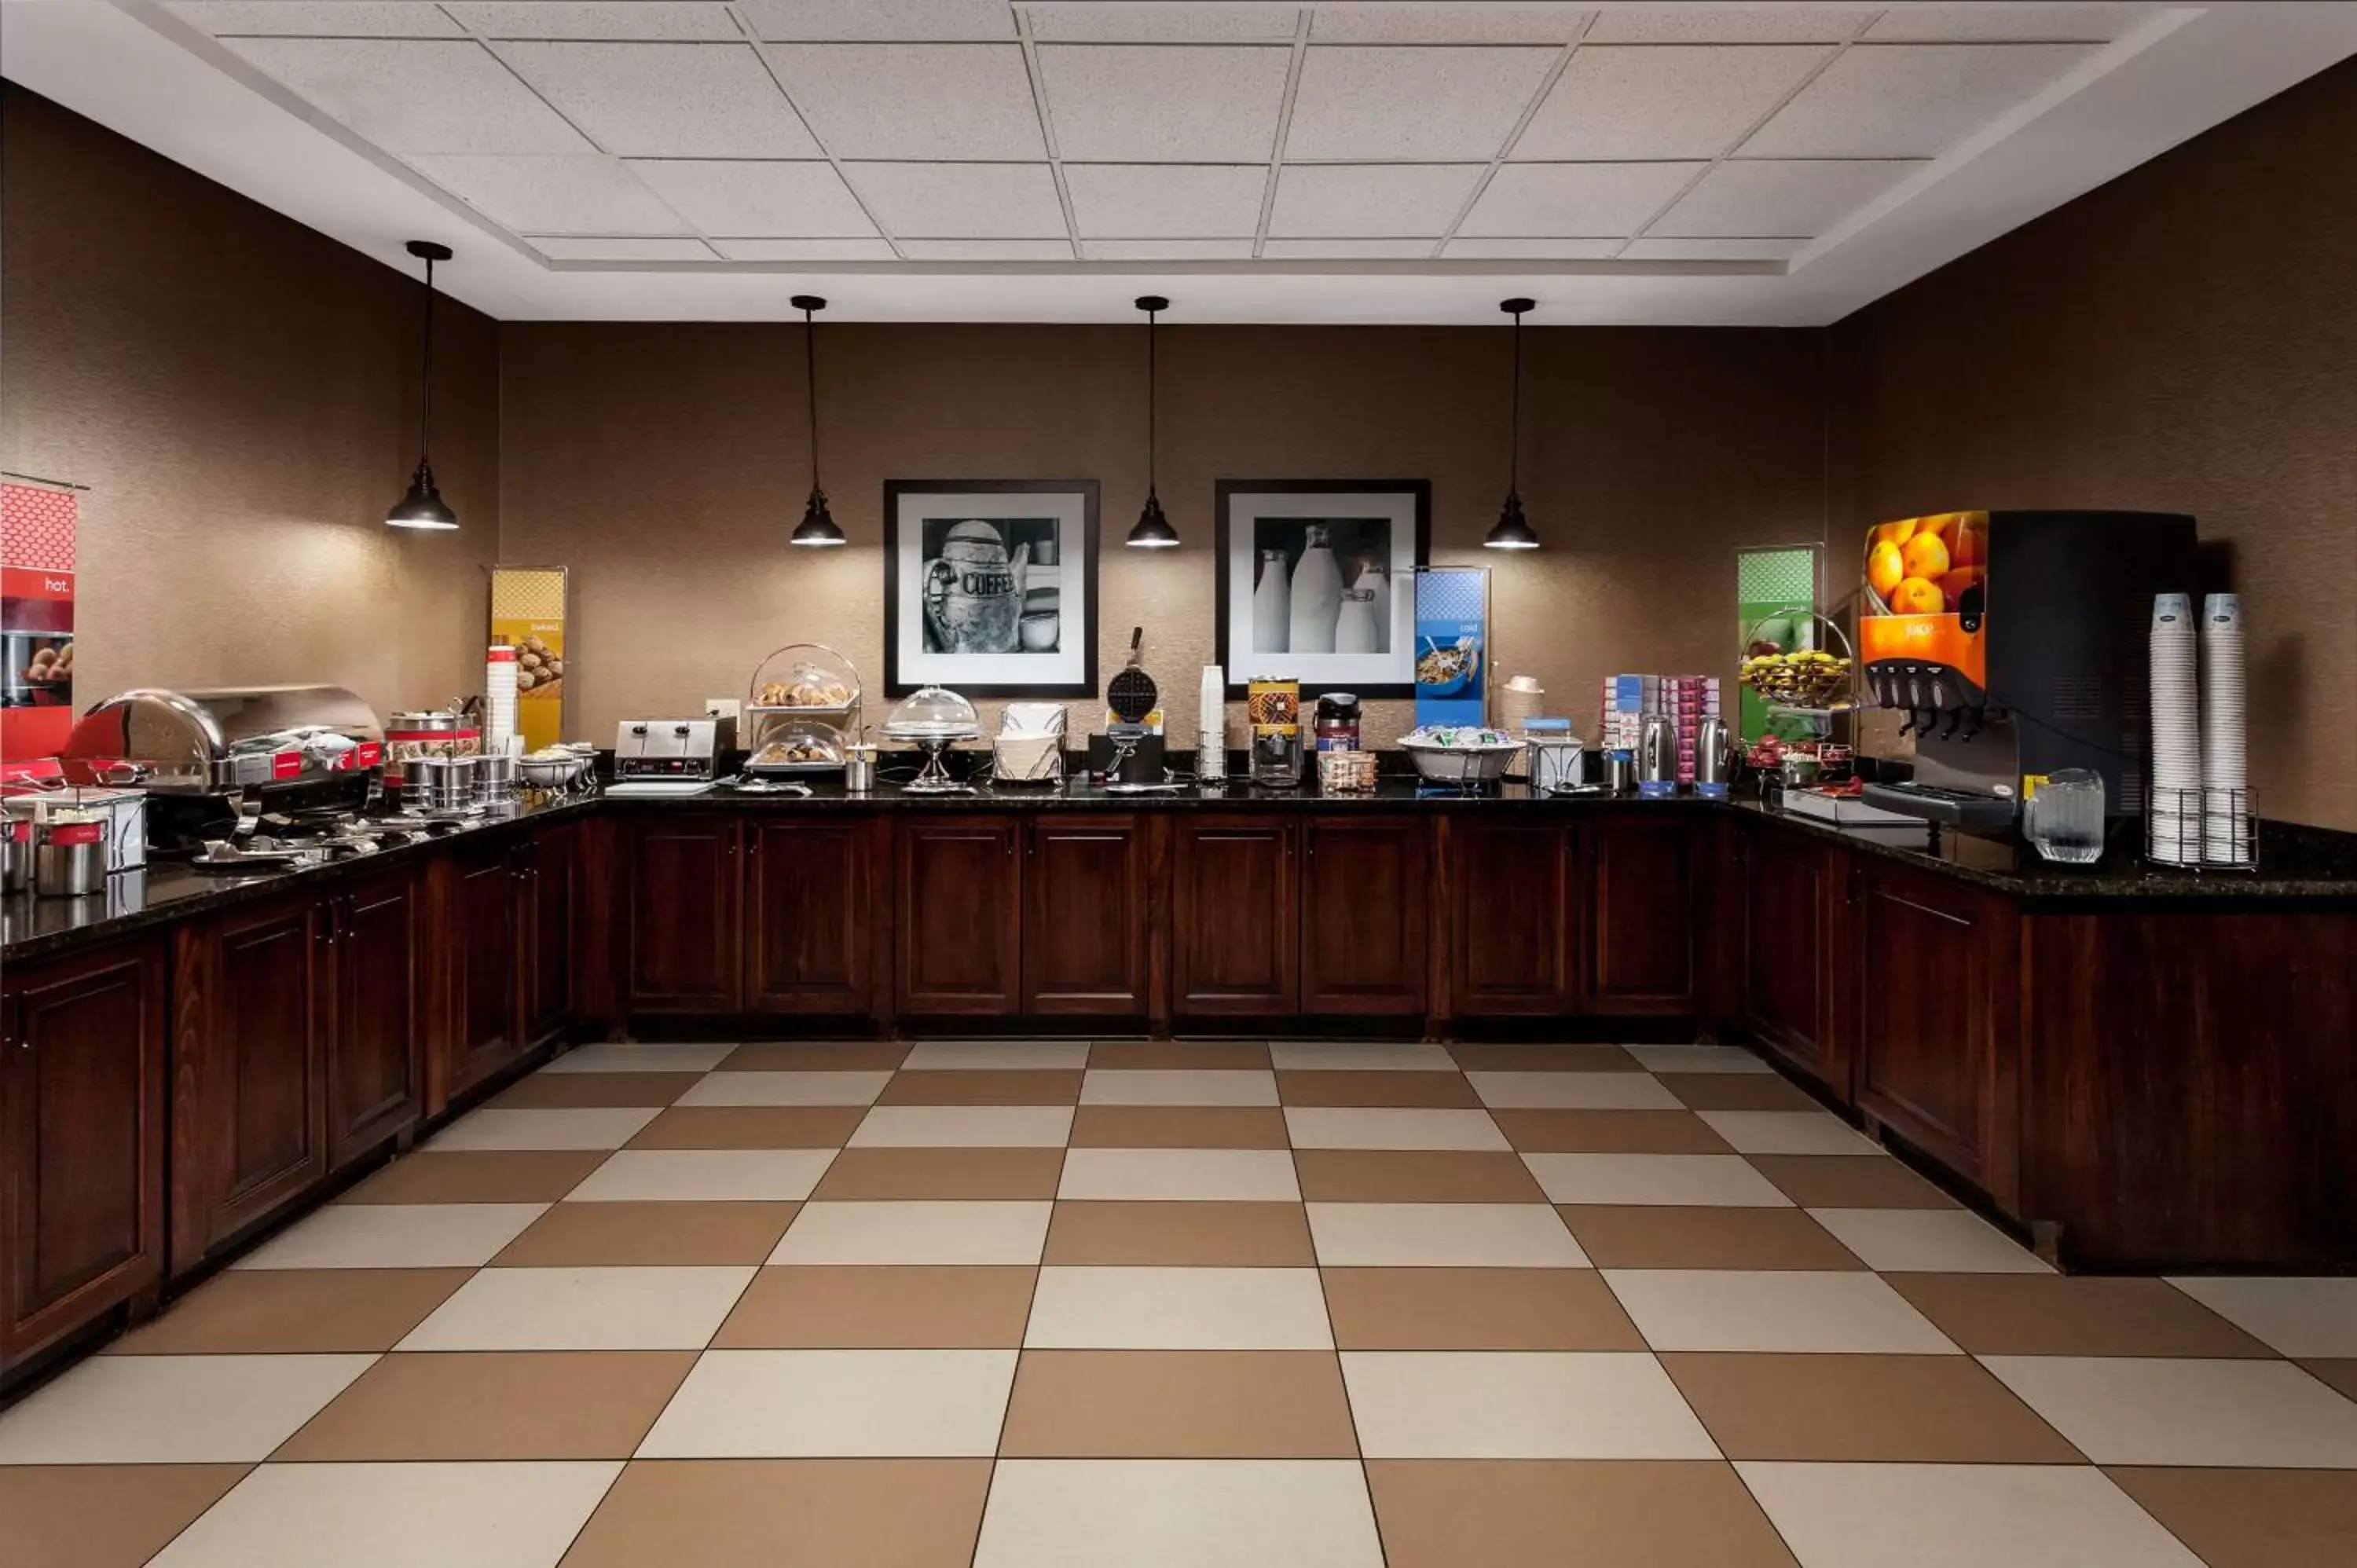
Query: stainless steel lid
{"points": [[217, 738]]}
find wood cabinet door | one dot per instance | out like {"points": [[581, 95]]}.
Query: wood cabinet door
{"points": [[1641, 920], [548, 909], [682, 941], [1085, 915], [809, 946], [81, 1140], [1364, 915], [1794, 891], [376, 1057], [1515, 928], [482, 939], [1236, 917], [958, 919]]}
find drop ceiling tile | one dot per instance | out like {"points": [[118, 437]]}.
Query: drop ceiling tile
{"points": [[679, 20], [1537, 250], [1139, 201], [1371, 201], [1168, 104], [1574, 198], [1347, 250], [805, 200], [969, 201], [388, 19], [1699, 250], [1777, 24], [414, 97], [1131, 21], [880, 20], [1888, 100], [658, 100], [559, 248], [805, 250], [1984, 24], [923, 101], [1412, 104], [1745, 198], [1421, 22], [1664, 101], [587, 195], [1167, 250], [988, 250]]}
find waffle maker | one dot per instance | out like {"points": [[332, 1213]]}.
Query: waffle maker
{"points": [[1129, 754]]}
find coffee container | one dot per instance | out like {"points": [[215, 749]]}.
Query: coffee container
{"points": [[70, 854], [1714, 758], [1338, 722], [1657, 759]]}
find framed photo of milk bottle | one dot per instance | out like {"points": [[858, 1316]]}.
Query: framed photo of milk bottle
{"points": [[1317, 582], [990, 587]]}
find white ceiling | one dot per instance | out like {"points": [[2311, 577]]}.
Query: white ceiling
{"points": [[1329, 159]]}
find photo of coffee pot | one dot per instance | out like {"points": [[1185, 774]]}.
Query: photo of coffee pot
{"points": [[972, 591]]}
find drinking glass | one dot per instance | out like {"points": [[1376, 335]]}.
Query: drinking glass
{"points": [[2065, 817]]}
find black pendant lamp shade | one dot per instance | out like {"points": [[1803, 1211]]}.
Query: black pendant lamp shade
{"points": [[817, 530], [424, 506], [1512, 530], [1152, 529]]}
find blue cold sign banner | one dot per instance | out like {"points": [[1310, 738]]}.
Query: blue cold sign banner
{"points": [[1452, 645]]}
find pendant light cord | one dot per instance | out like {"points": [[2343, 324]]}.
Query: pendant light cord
{"points": [[809, 363], [425, 410], [1514, 451], [1153, 389]]}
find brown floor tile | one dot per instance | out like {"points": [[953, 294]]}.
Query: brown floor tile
{"points": [[1413, 1176], [479, 1176], [788, 1513], [566, 1091], [294, 1311], [1529, 1513], [750, 1127], [1609, 1133], [1224, 1056], [2073, 1315], [1178, 1127], [1179, 1404], [1475, 1309], [904, 1307], [1736, 1091], [990, 1086], [1944, 1410], [2341, 1375], [817, 1056], [1544, 1058], [1448, 1090], [101, 1515], [1145, 1234], [2252, 1518], [495, 1404], [971, 1174], [1638, 1237], [594, 1235], [1849, 1181]]}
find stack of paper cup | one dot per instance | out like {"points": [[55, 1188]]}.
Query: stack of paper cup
{"points": [[499, 698], [2176, 733], [2225, 763], [1211, 725]]}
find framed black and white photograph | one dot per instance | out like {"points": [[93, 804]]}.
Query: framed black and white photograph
{"points": [[990, 587], [1317, 582]]}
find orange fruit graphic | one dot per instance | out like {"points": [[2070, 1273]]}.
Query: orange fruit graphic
{"points": [[1917, 598], [1955, 584], [1940, 525], [1884, 569], [1972, 546], [1894, 533], [1925, 556]]}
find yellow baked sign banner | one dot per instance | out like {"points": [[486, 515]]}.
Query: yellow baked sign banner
{"points": [[528, 613]]}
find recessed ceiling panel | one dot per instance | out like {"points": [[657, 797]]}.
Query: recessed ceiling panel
{"points": [[1422, 22], [1681, 24], [1909, 99], [1665, 101], [552, 194], [1239, 249], [1746, 199], [1700, 249], [805, 250], [988, 250], [1371, 201], [924, 101], [1144, 21], [747, 199], [667, 101], [413, 97], [1987, 24], [679, 20], [1487, 248], [1170, 103], [1578, 199], [1439, 104], [318, 18], [969, 201], [863, 20], [1367, 250], [559, 248], [1164, 200]]}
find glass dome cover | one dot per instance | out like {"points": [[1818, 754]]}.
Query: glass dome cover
{"points": [[933, 713]]}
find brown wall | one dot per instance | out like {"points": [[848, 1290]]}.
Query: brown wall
{"points": [[2183, 338], [239, 392]]}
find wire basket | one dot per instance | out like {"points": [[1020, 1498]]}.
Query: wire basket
{"points": [[2204, 830], [1818, 680]]}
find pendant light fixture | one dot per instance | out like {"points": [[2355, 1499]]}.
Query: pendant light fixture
{"points": [[1152, 529], [817, 530], [1511, 531], [422, 506]]}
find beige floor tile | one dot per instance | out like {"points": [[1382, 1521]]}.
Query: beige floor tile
{"points": [[964, 1127], [984, 1086], [394, 1236], [1179, 1086], [1177, 1309], [172, 1410], [1789, 1133], [1475, 1309], [1571, 1091], [847, 1404], [1736, 1091], [1843, 1181], [788, 1513], [1178, 1513], [102, 1516], [963, 1175], [1824, 1313], [1158, 1233], [495, 1405], [750, 1127], [2339, 1374], [817, 1056], [1179, 1404], [1192, 1176], [2315, 1316], [1524, 1513], [787, 1088], [704, 1176], [294, 1311], [1342, 1055], [2054, 1314], [488, 1176], [1177, 1127], [1443, 1235], [646, 1308], [2252, 1519], [988, 1056], [2141, 1411], [1543, 1058], [916, 1232], [1916, 1408], [1658, 1237], [585, 1235], [1609, 1133], [1677, 1181], [887, 1307], [519, 1514], [1154, 1056], [639, 1056], [1438, 1091], [1927, 1240], [1414, 1175], [593, 1127], [1350, 1127], [1697, 1059], [1958, 1516], [576, 1090], [1519, 1404]]}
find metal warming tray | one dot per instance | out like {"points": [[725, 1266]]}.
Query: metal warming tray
{"points": [[224, 739]]}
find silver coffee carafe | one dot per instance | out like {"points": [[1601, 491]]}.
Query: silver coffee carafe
{"points": [[1657, 759]]}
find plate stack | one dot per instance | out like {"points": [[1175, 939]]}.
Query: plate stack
{"points": [[2174, 830], [2225, 768]]}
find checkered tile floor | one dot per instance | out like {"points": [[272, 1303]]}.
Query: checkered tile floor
{"points": [[1301, 1305]]}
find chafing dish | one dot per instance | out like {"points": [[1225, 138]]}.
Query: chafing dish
{"points": [[224, 739]]}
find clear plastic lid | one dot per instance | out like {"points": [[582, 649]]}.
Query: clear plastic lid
{"points": [[932, 713]]}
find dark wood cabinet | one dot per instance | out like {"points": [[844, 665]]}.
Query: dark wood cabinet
{"points": [[959, 916], [681, 942], [1793, 900], [547, 910], [1364, 915], [1516, 926], [376, 1060], [82, 1049], [1641, 900], [809, 914], [1235, 917], [1085, 915], [484, 983]]}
